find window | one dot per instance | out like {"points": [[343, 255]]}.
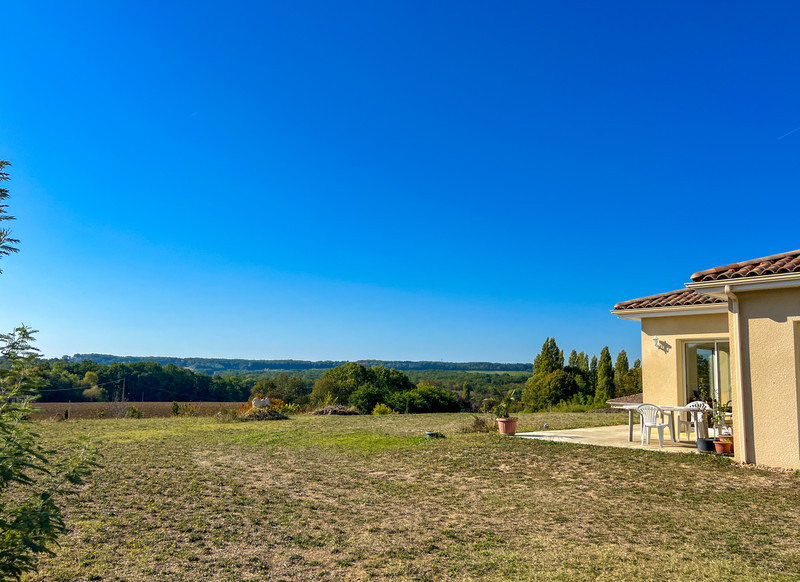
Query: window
{"points": [[708, 371]]}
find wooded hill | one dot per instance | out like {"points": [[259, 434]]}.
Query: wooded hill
{"points": [[219, 365]]}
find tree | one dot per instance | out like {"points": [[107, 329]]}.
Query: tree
{"points": [[574, 361], [605, 378], [620, 370], [543, 391], [390, 379], [7, 243], [32, 478], [466, 391], [424, 398], [367, 396], [289, 388], [343, 382], [631, 381], [340, 382], [264, 387], [550, 359]]}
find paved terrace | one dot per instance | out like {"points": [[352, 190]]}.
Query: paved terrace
{"points": [[611, 436]]}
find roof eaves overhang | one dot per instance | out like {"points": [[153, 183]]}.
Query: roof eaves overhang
{"points": [[717, 288], [639, 314]]}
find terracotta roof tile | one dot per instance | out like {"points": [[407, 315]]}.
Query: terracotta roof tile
{"points": [[679, 298], [773, 265]]}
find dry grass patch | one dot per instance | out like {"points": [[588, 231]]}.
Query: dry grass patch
{"points": [[352, 498]]}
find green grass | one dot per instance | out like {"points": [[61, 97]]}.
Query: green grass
{"points": [[367, 497]]}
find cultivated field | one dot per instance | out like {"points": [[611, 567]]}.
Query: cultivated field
{"points": [[367, 497], [87, 410]]}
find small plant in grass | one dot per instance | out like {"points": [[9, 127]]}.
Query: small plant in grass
{"points": [[290, 408], [480, 424], [381, 408], [261, 414], [176, 409], [187, 409], [133, 412], [226, 415], [329, 400]]}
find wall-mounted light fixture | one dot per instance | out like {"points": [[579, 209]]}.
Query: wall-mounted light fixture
{"points": [[660, 345]]}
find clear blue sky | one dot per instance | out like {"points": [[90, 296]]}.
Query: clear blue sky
{"points": [[395, 180]]}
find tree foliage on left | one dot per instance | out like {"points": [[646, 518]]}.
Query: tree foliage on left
{"points": [[32, 477], [7, 243]]}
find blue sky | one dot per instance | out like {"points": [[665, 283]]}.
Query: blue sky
{"points": [[395, 180]]}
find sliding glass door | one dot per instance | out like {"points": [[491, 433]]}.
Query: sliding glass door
{"points": [[708, 371]]}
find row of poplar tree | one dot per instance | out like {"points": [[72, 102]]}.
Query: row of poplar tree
{"points": [[579, 382]]}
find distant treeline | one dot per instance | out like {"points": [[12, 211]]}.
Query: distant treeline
{"points": [[60, 381], [579, 382], [218, 365]]}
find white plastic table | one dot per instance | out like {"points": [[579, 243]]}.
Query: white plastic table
{"points": [[670, 410]]}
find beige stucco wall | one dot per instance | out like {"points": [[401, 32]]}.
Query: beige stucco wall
{"points": [[662, 369], [769, 327]]}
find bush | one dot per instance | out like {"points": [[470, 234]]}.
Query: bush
{"points": [[381, 408], [424, 398], [186, 409], [96, 393], [290, 408], [366, 397], [577, 403], [133, 412], [176, 409]]}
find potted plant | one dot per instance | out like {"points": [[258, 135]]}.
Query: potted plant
{"points": [[718, 416], [505, 423], [724, 442], [723, 445]]}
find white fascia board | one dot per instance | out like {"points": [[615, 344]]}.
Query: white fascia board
{"points": [[717, 288], [639, 314]]}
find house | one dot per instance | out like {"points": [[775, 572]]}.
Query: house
{"points": [[732, 334]]}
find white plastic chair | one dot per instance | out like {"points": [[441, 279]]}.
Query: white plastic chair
{"points": [[651, 414], [695, 419]]}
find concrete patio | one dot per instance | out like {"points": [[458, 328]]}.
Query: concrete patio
{"points": [[610, 436]]}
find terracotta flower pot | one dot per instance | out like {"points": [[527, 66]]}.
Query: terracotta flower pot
{"points": [[723, 447], [507, 425]]}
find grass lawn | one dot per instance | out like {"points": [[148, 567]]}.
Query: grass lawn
{"points": [[367, 497]]}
